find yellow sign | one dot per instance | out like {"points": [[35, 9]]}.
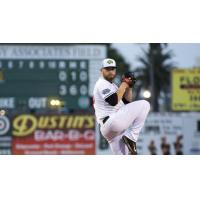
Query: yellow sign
{"points": [[186, 90], [24, 125]]}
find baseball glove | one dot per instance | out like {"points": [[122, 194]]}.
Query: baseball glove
{"points": [[129, 78]]}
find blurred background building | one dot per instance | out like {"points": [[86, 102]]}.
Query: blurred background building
{"points": [[46, 96]]}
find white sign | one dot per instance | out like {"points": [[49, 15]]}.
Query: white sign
{"points": [[7, 102], [39, 102], [192, 133], [158, 126], [67, 52]]}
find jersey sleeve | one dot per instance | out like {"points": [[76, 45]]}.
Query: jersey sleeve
{"points": [[105, 90]]}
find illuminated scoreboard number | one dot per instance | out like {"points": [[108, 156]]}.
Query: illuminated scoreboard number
{"points": [[74, 83], [74, 79]]}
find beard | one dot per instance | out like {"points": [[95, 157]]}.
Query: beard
{"points": [[109, 78]]}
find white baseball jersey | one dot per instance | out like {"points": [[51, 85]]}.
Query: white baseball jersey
{"points": [[102, 90]]}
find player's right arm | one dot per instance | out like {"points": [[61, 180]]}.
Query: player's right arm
{"points": [[110, 95], [118, 95]]}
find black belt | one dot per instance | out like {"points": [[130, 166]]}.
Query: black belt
{"points": [[105, 119]]}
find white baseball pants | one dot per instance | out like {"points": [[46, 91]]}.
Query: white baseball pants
{"points": [[128, 120]]}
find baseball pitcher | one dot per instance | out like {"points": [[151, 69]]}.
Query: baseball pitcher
{"points": [[120, 119]]}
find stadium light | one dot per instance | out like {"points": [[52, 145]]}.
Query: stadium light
{"points": [[55, 102], [147, 94]]}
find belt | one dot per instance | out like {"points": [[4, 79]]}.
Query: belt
{"points": [[105, 119]]}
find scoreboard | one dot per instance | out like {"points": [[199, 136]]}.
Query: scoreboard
{"points": [[36, 76]]}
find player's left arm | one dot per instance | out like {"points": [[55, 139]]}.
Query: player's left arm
{"points": [[128, 96]]}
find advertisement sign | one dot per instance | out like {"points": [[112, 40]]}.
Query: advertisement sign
{"points": [[192, 133], [5, 136], [53, 134], [186, 90], [162, 134]]}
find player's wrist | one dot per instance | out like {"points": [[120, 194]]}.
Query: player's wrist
{"points": [[125, 85]]}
